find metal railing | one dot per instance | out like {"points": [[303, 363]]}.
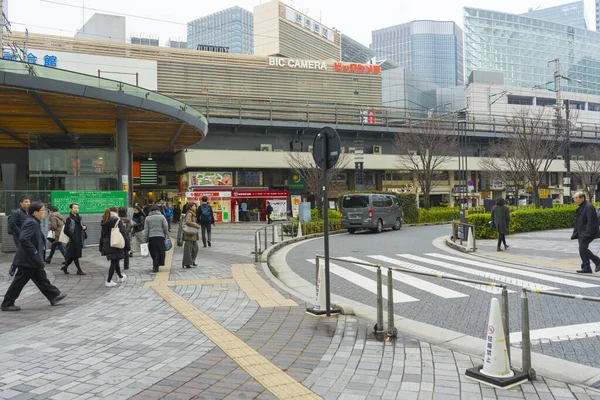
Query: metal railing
{"points": [[461, 231], [262, 235]]}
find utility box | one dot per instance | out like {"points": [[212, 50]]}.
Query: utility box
{"points": [[304, 212]]}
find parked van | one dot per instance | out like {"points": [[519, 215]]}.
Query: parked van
{"points": [[371, 211]]}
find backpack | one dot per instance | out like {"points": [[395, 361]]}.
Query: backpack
{"points": [[205, 214]]}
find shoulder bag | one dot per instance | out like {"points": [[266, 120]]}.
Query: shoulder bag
{"points": [[116, 238]]}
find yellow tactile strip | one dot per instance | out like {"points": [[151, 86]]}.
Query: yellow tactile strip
{"points": [[272, 378], [256, 288], [191, 282]]}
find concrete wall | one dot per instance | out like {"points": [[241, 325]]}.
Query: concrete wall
{"points": [[103, 27], [266, 29]]}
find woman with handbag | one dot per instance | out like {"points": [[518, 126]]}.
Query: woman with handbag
{"points": [[113, 242], [56, 224], [138, 220], [190, 236], [75, 232], [156, 231], [500, 222], [126, 221]]}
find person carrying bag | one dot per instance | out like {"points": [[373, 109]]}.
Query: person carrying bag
{"points": [[113, 240], [190, 237]]}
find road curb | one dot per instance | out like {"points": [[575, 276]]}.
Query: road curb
{"points": [[550, 367]]}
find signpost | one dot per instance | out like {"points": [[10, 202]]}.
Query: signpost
{"points": [[326, 152]]}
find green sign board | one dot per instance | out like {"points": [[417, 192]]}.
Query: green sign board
{"points": [[296, 182], [89, 202]]}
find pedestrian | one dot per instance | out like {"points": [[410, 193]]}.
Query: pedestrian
{"points": [[147, 208], [177, 213], [585, 231], [75, 231], [110, 219], [206, 219], [15, 222], [155, 232], [30, 261], [126, 221], [56, 224], [168, 214], [190, 236], [269, 213], [501, 219], [244, 209], [138, 222]]}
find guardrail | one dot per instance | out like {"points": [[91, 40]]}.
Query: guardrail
{"points": [[464, 232], [261, 236]]}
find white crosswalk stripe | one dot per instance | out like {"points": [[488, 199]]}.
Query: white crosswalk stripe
{"points": [[407, 279], [418, 268], [516, 271], [483, 274], [365, 282]]}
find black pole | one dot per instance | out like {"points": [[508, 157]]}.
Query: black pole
{"points": [[326, 222]]}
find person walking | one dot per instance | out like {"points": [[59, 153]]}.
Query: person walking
{"points": [[30, 261], [15, 222], [138, 222], [56, 224], [147, 208], [501, 222], [75, 231], [177, 213], [155, 232], [585, 231], [269, 212], [206, 219], [110, 219], [169, 213], [244, 211], [190, 238], [128, 225]]}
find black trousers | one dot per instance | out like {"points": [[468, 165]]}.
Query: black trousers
{"points": [[586, 254], [24, 275], [501, 239], [114, 267], [206, 233], [156, 247]]}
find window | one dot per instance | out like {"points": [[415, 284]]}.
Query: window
{"points": [[317, 28], [307, 23], [339, 178], [355, 201], [298, 18], [521, 100]]}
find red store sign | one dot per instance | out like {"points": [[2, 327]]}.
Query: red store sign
{"points": [[260, 194], [360, 68]]}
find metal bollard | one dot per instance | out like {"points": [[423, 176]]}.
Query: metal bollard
{"points": [[273, 233], [525, 336], [379, 326], [506, 319], [317, 271], [256, 242], [282, 225], [266, 238], [391, 331]]}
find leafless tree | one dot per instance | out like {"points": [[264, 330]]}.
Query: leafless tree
{"points": [[423, 150], [304, 164], [506, 165], [587, 171]]}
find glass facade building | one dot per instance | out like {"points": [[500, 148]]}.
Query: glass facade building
{"points": [[232, 28], [572, 14], [521, 48], [431, 49]]}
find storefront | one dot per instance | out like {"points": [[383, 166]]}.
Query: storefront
{"points": [[256, 201], [220, 202]]}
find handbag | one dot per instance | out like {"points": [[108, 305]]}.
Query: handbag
{"points": [[144, 250], [492, 224], [116, 238], [168, 244], [50, 236], [190, 230], [62, 237]]}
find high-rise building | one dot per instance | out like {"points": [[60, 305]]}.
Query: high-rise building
{"points": [[567, 14], [521, 48], [598, 15], [354, 52], [284, 31], [232, 28], [431, 49], [103, 27]]}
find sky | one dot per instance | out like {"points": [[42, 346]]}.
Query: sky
{"points": [[167, 18]]}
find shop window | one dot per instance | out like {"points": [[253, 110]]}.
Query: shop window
{"points": [[249, 178], [369, 178], [340, 177]]}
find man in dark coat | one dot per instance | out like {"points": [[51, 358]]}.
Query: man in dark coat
{"points": [[501, 219], [30, 261], [586, 230], [15, 222]]}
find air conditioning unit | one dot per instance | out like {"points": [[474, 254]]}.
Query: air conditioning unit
{"points": [[559, 157], [266, 147], [351, 150], [377, 150], [342, 150], [310, 148], [161, 180]]}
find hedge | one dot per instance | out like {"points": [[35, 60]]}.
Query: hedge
{"points": [[314, 215], [408, 201], [312, 227], [439, 214]]}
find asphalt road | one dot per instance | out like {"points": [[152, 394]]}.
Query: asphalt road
{"points": [[455, 306]]}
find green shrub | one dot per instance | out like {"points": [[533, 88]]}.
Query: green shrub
{"points": [[407, 200], [438, 214], [314, 215], [312, 227]]}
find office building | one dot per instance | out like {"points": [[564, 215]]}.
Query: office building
{"points": [[431, 49], [103, 27], [354, 52], [232, 28], [597, 15], [572, 14], [521, 48], [281, 30]]}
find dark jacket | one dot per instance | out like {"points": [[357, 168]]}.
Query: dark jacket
{"points": [[586, 223], [112, 253], [211, 221], [269, 210], [32, 244], [74, 230], [501, 218], [16, 220], [128, 224], [191, 221], [138, 222]]}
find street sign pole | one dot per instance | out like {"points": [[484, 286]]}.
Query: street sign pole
{"points": [[326, 224]]}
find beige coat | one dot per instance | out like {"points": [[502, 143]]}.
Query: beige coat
{"points": [[190, 220], [56, 223]]}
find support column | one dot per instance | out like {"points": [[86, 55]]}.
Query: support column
{"points": [[123, 158]]}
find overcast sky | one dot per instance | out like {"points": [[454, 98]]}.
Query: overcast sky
{"points": [[356, 18]]}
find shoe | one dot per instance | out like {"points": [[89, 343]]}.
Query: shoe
{"points": [[187, 266], [11, 308], [209, 243], [597, 267], [109, 284], [58, 299], [131, 254], [204, 246], [125, 268], [123, 278], [194, 264], [12, 270], [80, 272], [64, 269], [154, 270], [499, 249], [191, 266], [506, 247], [47, 261], [585, 271]]}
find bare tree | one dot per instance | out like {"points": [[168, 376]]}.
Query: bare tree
{"points": [[304, 164], [587, 171], [423, 150], [505, 165], [532, 140]]}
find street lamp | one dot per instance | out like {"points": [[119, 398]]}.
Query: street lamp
{"points": [[358, 165]]}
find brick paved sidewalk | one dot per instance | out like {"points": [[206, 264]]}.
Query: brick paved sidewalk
{"points": [[216, 331]]}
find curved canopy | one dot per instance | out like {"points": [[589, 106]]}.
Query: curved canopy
{"points": [[58, 105]]}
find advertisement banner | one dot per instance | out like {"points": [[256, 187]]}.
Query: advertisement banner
{"points": [[296, 200], [203, 179], [90, 202], [279, 209], [296, 182]]}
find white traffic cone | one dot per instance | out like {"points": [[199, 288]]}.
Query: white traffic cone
{"points": [[299, 229], [471, 239], [496, 369]]}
